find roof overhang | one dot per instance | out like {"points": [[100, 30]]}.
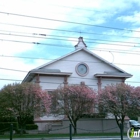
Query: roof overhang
{"points": [[33, 73], [113, 75]]}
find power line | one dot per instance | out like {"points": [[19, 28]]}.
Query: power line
{"points": [[91, 48], [68, 47], [26, 26], [10, 79], [77, 8], [60, 83], [37, 43], [11, 34], [57, 20], [55, 82], [13, 69], [82, 9], [60, 13], [24, 57], [70, 77], [42, 34], [96, 49], [22, 80], [4, 79]]}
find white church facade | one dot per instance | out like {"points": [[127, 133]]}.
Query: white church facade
{"points": [[78, 67]]}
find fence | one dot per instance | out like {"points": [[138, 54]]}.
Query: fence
{"points": [[83, 126], [90, 125]]}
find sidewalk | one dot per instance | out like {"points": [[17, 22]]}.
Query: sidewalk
{"points": [[75, 138]]}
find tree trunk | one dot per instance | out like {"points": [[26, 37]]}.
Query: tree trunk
{"points": [[75, 127], [21, 130], [22, 124], [120, 123], [121, 130]]}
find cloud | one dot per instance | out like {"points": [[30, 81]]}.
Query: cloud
{"points": [[11, 48], [134, 18], [16, 64], [128, 61], [99, 12]]}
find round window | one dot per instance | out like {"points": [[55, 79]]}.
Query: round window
{"points": [[82, 69]]}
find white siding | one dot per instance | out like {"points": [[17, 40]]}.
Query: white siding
{"points": [[51, 82], [69, 63], [106, 81]]}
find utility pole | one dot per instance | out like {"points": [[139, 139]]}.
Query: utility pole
{"points": [[11, 131], [70, 131]]}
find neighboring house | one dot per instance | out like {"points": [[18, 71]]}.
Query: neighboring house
{"points": [[78, 67]]}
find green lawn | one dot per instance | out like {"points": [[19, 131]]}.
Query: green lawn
{"points": [[57, 135]]}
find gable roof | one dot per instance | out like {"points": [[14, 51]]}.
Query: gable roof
{"points": [[91, 53], [39, 70]]}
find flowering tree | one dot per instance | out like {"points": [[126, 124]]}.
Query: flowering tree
{"points": [[119, 100], [24, 100], [73, 101], [135, 103]]}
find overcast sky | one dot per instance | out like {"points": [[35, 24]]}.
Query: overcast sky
{"points": [[33, 32]]}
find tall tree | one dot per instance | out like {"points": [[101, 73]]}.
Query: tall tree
{"points": [[24, 100], [118, 100], [135, 107], [73, 101]]}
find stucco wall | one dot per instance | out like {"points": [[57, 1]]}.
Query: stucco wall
{"points": [[89, 125]]}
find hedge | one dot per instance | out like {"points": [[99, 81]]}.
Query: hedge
{"points": [[31, 126], [8, 119], [5, 126], [30, 120]]}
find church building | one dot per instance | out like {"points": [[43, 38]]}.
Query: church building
{"points": [[78, 67]]}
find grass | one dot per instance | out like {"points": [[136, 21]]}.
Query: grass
{"points": [[58, 135]]}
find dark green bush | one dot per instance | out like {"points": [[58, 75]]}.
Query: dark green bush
{"points": [[8, 119], [5, 126], [1, 133], [29, 120], [31, 126]]}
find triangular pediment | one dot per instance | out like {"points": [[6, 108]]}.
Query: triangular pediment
{"points": [[67, 65], [86, 51]]}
